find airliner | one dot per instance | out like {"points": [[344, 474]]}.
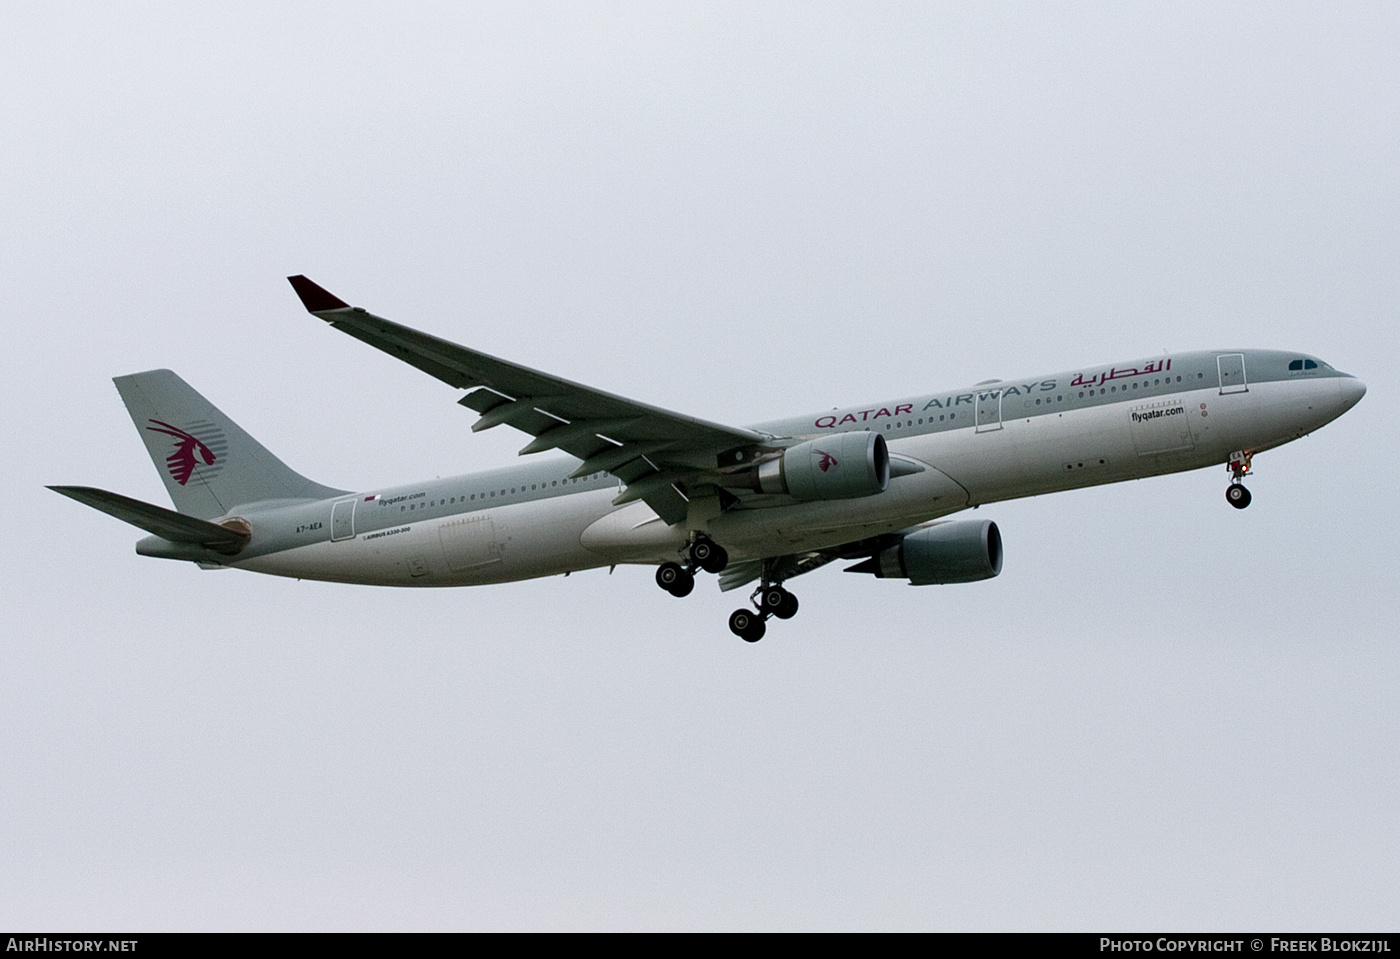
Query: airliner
{"points": [[763, 504]]}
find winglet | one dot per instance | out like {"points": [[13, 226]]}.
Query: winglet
{"points": [[315, 299]]}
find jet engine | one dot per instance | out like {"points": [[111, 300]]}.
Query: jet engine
{"points": [[840, 466], [958, 552]]}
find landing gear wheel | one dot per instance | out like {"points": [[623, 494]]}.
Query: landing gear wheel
{"points": [[708, 555], [771, 598], [675, 579], [789, 608], [778, 602], [1237, 496], [747, 625]]}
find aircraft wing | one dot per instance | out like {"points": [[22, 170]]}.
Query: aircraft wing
{"points": [[661, 456]]}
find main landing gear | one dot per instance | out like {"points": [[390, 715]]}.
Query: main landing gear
{"points": [[1236, 494], [703, 553], [708, 555], [675, 579], [771, 600]]}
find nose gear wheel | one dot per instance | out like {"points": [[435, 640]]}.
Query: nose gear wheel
{"points": [[1236, 494]]}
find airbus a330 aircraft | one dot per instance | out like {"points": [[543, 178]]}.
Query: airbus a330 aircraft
{"points": [[761, 504]]}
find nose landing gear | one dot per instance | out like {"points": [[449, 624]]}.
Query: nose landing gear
{"points": [[1236, 494]]}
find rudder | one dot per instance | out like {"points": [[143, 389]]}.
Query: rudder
{"points": [[209, 464]]}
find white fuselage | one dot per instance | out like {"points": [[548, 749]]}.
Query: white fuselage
{"points": [[990, 443]]}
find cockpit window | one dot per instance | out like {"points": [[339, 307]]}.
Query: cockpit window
{"points": [[1302, 365]]}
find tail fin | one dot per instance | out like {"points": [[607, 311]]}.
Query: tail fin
{"points": [[209, 464]]}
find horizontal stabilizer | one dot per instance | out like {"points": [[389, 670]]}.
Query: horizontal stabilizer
{"points": [[164, 523]]}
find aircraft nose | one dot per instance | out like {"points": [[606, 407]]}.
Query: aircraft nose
{"points": [[1349, 391]]}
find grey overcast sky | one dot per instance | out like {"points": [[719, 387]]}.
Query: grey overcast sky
{"points": [[1165, 714]]}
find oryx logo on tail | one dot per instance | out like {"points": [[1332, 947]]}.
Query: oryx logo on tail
{"points": [[191, 450]]}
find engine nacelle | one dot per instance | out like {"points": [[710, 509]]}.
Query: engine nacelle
{"points": [[959, 552], [840, 466]]}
